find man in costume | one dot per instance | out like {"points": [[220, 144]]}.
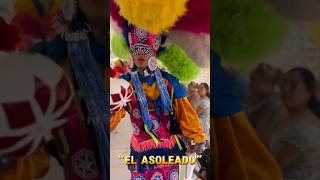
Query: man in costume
{"points": [[160, 114]]}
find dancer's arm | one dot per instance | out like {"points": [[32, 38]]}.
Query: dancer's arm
{"points": [[35, 165], [186, 115], [188, 120], [116, 117]]}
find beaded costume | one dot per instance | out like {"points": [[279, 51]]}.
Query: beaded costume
{"points": [[161, 115]]}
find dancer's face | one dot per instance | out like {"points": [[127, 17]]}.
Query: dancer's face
{"points": [[141, 61]]}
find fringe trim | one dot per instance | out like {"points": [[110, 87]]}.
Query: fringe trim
{"points": [[166, 147], [150, 144]]}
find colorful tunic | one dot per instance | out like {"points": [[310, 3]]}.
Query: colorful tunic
{"points": [[142, 144]]}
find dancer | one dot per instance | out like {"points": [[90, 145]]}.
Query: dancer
{"points": [[159, 111]]}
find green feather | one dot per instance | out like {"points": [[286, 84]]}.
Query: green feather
{"points": [[176, 61], [119, 46], [245, 31], [6, 6]]}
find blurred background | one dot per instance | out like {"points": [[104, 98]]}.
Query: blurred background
{"points": [[270, 51]]}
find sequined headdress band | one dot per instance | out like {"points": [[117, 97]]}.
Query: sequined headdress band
{"points": [[143, 42]]}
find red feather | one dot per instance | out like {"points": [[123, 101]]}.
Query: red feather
{"points": [[10, 37], [197, 18], [114, 12], [113, 73], [28, 25]]}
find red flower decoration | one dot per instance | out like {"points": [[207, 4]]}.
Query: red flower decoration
{"points": [[33, 123]]}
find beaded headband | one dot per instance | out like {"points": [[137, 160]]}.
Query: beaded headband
{"points": [[143, 42]]}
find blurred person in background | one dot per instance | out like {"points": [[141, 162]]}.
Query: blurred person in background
{"points": [[192, 93], [203, 108], [237, 152], [263, 106], [295, 146]]}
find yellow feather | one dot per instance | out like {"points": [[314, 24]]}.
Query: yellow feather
{"points": [[27, 7], [56, 6], [153, 15]]}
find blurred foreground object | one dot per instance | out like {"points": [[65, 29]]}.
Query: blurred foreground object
{"points": [[34, 103], [120, 93]]}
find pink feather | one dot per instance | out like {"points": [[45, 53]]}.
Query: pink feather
{"points": [[114, 12]]}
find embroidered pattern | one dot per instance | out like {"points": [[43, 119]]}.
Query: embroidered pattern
{"points": [[138, 178], [173, 174], [157, 176], [135, 129], [156, 125], [136, 113], [141, 34], [140, 48], [156, 42], [84, 164]]}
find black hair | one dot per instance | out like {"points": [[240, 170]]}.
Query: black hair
{"points": [[206, 86], [309, 81]]}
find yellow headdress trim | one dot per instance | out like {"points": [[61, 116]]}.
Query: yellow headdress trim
{"points": [[153, 15], [27, 7]]}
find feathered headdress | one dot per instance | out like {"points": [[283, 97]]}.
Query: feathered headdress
{"points": [[156, 16], [190, 34], [245, 31], [173, 58]]}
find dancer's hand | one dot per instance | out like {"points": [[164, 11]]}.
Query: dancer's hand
{"points": [[196, 148]]}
